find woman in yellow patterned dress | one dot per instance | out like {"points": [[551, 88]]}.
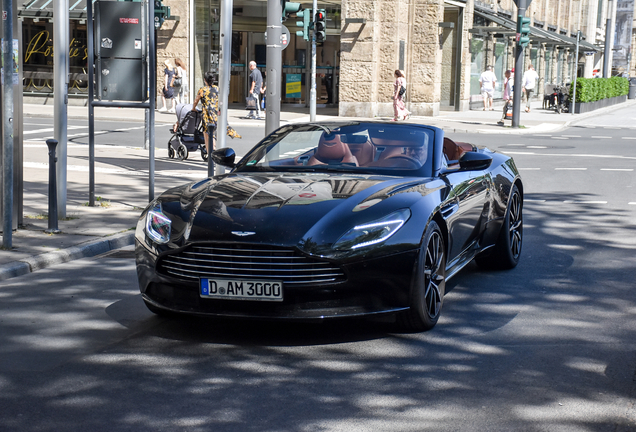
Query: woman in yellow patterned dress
{"points": [[209, 98]]}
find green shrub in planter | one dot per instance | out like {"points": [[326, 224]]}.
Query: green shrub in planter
{"points": [[593, 89]]}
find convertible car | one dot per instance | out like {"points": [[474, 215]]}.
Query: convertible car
{"points": [[331, 220]]}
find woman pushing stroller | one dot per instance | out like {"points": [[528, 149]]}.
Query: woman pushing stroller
{"points": [[208, 95]]}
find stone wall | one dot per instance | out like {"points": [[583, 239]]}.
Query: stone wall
{"points": [[172, 39], [370, 55]]}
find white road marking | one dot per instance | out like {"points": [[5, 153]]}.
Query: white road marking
{"points": [[80, 168], [542, 135], [617, 169], [584, 202], [534, 200], [571, 136], [552, 155], [561, 138], [634, 138], [104, 132], [47, 130], [632, 203], [601, 137], [537, 147]]}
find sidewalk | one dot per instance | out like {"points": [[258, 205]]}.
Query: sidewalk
{"points": [[90, 231]]}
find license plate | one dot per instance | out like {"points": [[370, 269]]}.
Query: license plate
{"points": [[238, 289]]}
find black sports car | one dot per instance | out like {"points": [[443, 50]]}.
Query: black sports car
{"points": [[331, 220]]}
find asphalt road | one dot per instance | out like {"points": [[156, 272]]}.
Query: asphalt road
{"points": [[548, 346], [131, 134]]}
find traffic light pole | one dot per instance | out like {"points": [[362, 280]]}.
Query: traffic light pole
{"points": [[312, 92], [519, 49], [274, 65]]}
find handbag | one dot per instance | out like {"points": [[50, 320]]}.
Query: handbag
{"points": [[176, 80], [402, 91], [250, 103]]}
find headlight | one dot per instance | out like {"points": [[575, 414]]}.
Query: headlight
{"points": [[373, 232], [158, 225]]}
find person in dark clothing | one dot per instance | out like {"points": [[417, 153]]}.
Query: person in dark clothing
{"points": [[255, 87], [167, 93], [328, 82]]}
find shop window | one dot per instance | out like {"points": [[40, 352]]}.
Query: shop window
{"points": [[476, 62]]}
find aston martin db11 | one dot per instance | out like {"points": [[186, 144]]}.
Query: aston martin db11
{"points": [[330, 220]]}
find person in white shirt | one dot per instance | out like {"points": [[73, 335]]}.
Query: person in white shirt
{"points": [[529, 81], [183, 74], [487, 82]]}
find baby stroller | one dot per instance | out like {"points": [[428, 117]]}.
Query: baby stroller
{"points": [[187, 134]]}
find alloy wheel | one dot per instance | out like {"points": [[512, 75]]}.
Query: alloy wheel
{"points": [[433, 275], [515, 225]]}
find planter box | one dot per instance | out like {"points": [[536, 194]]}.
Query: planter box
{"points": [[583, 107]]}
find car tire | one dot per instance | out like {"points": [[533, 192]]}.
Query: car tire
{"points": [[506, 252], [428, 284], [182, 152]]}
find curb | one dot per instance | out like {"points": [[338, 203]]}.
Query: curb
{"points": [[48, 259]]}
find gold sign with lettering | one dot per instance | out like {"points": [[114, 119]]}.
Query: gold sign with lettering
{"points": [[39, 44]]}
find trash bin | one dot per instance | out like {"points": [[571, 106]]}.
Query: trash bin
{"points": [[632, 88]]}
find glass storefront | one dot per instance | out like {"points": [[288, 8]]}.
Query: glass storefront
{"points": [[37, 36], [549, 52], [249, 44], [501, 60]]}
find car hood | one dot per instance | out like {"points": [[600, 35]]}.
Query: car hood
{"points": [[283, 208]]}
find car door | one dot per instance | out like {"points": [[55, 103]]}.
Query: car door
{"points": [[464, 210]]}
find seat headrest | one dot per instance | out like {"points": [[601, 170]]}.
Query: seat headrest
{"points": [[331, 147]]}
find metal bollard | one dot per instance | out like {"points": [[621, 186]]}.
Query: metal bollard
{"points": [[52, 144]]}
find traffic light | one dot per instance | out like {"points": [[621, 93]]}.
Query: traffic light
{"points": [[320, 26], [289, 8], [161, 13], [307, 24], [523, 30]]}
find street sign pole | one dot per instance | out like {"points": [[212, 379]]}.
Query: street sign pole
{"points": [[60, 96], [7, 126], [274, 65], [225, 60], [576, 71], [519, 48]]}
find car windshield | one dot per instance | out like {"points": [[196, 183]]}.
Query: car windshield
{"points": [[364, 147]]}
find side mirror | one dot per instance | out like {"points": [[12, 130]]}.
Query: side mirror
{"points": [[224, 157], [474, 161]]}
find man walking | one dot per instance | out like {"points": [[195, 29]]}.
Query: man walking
{"points": [[256, 84], [487, 82], [529, 81]]}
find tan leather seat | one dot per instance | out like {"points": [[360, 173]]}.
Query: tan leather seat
{"points": [[331, 150], [454, 151], [364, 152]]}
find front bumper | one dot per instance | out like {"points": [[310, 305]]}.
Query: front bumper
{"points": [[380, 285]]}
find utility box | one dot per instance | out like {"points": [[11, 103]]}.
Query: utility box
{"points": [[632, 89], [120, 32]]}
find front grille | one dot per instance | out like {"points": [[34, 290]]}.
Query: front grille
{"points": [[243, 261]]}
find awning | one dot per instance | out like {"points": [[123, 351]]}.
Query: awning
{"points": [[44, 9], [506, 26]]}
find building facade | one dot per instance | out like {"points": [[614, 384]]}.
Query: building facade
{"points": [[441, 45]]}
